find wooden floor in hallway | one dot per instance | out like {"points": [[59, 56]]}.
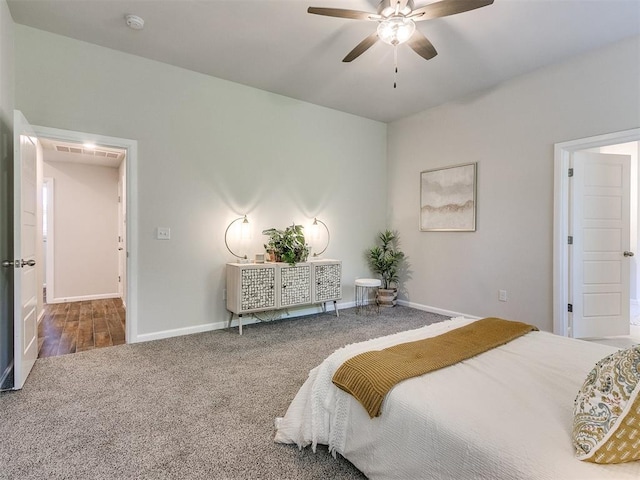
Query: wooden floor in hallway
{"points": [[79, 326]]}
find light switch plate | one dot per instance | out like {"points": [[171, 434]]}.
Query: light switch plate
{"points": [[164, 233]]}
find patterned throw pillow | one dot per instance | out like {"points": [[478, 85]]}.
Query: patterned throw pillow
{"points": [[606, 423]]}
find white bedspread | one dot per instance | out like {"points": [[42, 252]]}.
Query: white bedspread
{"points": [[505, 414]]}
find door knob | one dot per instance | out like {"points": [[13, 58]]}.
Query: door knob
{"points": [[29, 263], [628, 254], [7, 263]]}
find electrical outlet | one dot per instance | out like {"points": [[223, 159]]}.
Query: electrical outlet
{"points": [[502, 295], [164, 233]]}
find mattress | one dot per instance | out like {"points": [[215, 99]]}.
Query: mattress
{"points": [[504, 414]]}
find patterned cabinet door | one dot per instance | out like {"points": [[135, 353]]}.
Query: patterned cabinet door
{"points": [[258, 290], [295, 285], [328, 282]]}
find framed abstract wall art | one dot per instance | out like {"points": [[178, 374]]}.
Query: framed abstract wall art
{"points": [[448, 199]]}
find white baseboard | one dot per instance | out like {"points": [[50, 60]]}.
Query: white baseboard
{"points": [[247, 319], [84, 298], [427, 308], [345, 305], [177, 332]]}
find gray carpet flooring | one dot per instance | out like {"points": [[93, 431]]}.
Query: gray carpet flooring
{"points": [[192, 407]]}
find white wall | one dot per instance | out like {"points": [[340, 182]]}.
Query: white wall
{"points": [[6, 192], [85, 240], [208, 151], [510, 131]]}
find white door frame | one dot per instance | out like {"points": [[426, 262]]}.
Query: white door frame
{"points": [[48, 262], [561, 217], [122, 257], [131, 146]]}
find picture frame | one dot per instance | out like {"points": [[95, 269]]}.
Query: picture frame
{"points": [[448, 199]]}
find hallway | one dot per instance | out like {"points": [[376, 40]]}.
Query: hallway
{"points": [[79, 326]]}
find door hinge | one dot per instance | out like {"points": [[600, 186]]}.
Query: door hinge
{"points": [[571, 172], [570, 240], [119, 279], [570, 307]]}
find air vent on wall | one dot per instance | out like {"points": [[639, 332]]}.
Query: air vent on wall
{"points": [[95, 152]]}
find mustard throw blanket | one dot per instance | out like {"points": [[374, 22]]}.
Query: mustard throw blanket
{"points": [[370, 375]]}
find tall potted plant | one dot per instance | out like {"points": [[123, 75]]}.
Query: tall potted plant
{"points": [[385, 259]]}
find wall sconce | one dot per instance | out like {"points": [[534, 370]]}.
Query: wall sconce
{"points": [[244, 235], [316, 234]]}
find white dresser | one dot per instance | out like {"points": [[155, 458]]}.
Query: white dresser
{"points": [[271, 286]]}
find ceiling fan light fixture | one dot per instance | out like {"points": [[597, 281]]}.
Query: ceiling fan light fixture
{"points": [[396, 29]]}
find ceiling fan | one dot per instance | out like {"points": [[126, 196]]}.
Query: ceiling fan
{"points": [[396, 22]]}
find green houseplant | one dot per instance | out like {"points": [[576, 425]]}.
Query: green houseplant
{"points": [[384, 260], [287, 245]]}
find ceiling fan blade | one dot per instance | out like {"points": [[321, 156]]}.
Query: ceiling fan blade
{"points": [[421, 45], [445, 8], [362, 47], [342, 13]]}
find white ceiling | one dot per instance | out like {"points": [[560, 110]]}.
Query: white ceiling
{"points": [[275, 45]]}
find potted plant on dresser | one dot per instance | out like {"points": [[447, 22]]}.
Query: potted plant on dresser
{"points": [[385, 259], [287, 245]]}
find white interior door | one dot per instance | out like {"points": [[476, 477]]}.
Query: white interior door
{"points": [[601, 240], [25, 229]]}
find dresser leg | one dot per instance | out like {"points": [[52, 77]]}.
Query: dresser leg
{"points": [[335, 307], [239, 322]]}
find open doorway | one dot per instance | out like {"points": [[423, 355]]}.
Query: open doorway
{"points": [[84, 230], [116, 159], [567, 213]]}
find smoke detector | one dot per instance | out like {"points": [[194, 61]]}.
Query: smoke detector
{"points": [[135, 22]]}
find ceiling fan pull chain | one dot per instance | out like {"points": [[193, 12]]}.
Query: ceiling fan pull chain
{"points": [[395, 65]]}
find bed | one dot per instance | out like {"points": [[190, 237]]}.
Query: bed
{"points": [[504, 414]]}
